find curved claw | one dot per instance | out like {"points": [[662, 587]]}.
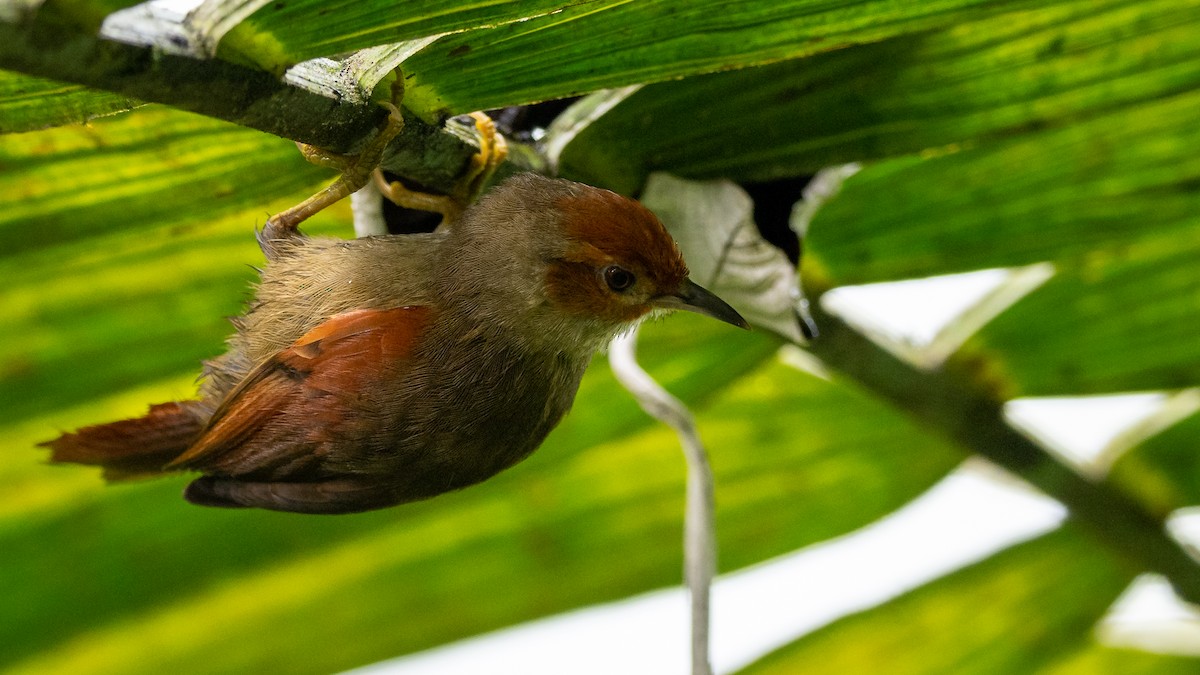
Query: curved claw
{"points": [[492, 151]]}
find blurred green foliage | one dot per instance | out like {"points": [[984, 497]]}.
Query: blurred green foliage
{"points": [[996, 134]]}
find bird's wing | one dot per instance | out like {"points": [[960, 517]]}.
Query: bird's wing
{"points": [[274, 423]]}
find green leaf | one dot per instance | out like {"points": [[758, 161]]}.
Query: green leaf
{"points": [[82, 15], [28, 103], [1014, 613], [1098, 659], [1047, 66], [1055, 195], [136, 172], [1096, 329], [1164, 471], [125, 243], [590, 46], [280, 34], [1109, 201]]}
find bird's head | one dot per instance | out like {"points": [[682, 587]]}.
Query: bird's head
{"points": [[573, 264], [618, 263]]}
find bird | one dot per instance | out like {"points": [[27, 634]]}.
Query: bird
{"points": [[371, 372]]}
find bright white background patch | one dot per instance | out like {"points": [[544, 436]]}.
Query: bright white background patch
{"points": [[1149, 616], [1079, 428], [924, 321], [922, 307]]}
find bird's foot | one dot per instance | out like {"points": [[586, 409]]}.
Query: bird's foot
{"points": [[356, 171], [492, 152]]}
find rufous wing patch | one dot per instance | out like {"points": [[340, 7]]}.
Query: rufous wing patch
{"points": [[301, 395]]}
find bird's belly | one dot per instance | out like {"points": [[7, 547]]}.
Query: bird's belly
{"points": [[445, 445]]}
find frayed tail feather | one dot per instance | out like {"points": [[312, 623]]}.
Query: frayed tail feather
{"points": [[131, 448]]}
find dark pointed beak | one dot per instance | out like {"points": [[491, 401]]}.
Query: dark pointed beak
{"points": [[692, 297]]}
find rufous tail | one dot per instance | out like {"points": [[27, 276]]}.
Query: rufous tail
{"points": [[131, 448]]}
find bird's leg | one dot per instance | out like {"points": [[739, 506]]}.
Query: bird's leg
{"points": [[492, 152], [356, 171]]}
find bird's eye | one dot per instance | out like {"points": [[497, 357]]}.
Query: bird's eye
{"points": [[618, 278]]}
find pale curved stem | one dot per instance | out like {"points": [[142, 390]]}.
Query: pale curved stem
{"points": [[367, 206], [699, 541]]}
